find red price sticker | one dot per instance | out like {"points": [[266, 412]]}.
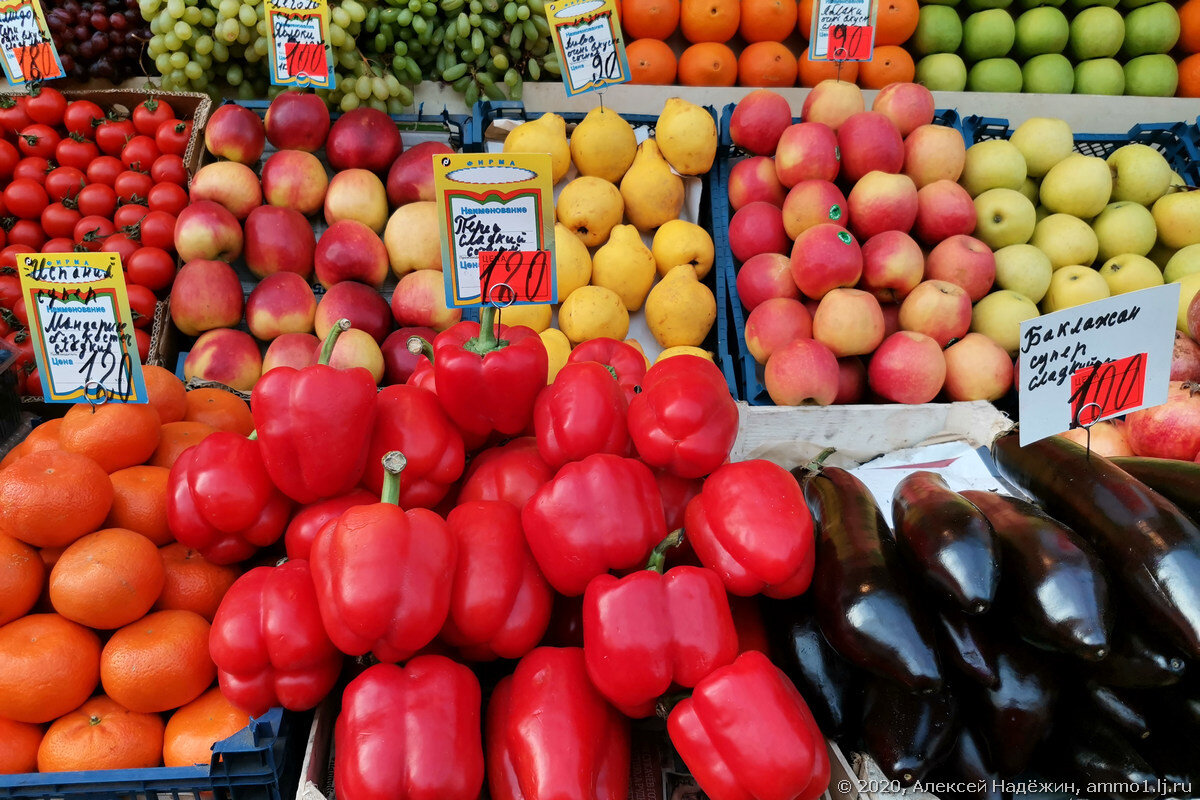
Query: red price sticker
{"points": [[306, 59], [37, 62], [1107, 389], [850, 42], [510, 276]]}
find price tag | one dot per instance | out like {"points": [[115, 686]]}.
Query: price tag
{"points": [[587, 38], [496, 217], [81, 326], [298, 42], [26, 49], [1095, 361], [842, 30]]}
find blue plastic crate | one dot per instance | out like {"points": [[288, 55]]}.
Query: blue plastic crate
{"points": [[719, 339], [259, 762]]}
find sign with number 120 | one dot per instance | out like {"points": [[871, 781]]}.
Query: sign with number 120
{"points": [[298, 38], [26, 49], [587, 38]]}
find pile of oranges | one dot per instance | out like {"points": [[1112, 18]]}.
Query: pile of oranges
{"points": [[754, 43], [1189, 42], [104, 619]]}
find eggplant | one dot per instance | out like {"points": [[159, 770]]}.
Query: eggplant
{"points": [[831, 686], [1101, 757], [866, 608], [947, 540], [1119, 709], [1150, 546], [1053, 581], [1016, 717], [1136, 660], [1175, 709], [968, 770], [908, 733], [1178, 481], [967, 643]]}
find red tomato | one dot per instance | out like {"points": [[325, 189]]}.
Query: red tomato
{"points": [[105, 169], [112, 134], [25, 198], [76, 151], [139, 153], [23, 344], [46, 105], [151, 113], [82, 117], [172, 137], [28, 233], [169, 168], [33, 384], [97, 199], [158, 230], [143, 343], [91, 231], [130, 185], [64, 182], [38, 140], [14, 114], [151, 267], [5, 328], [120, 244], [169, 197], [8, 261], [59, 245], [141, 302], [35, 169], [130, 214], [59, 221], [8, 159], [10, 284], [3, 237], [21, 312]]}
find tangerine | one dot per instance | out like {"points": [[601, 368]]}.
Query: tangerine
{"points": [[115, 435], [101, 734], [649, 19], [767, 63], [890, 63], [651, 61], [52, 497], [708, 64], [895, 21], [193, 583], [140, 502], [21, 577], [195, 728], [18, 746], [43, 437], [166, 393], [767, 20], [221, 409], [709, 20], [812, 72], [175, 438], [51, 665], [107, 579], [1189, 77], [1189, 29], [159, 662]]}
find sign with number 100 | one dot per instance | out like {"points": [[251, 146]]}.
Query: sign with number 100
{"points": [[298, 39]]}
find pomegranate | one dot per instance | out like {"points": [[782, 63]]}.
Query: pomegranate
{"points": [[1108, 439], [1171, 430], [1185, 358]]}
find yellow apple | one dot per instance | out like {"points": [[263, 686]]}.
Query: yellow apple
{"points": [[1130, 272], [1066, 239], [1072, 286], [1025, 269], [999, 316]]}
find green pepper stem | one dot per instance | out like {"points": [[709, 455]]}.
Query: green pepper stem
{"points": [[393, 464], [253, 435], [331, 338], [658, 556], [814, 466], [487, 341], [612, 371], [662, 708], [420, 346]]}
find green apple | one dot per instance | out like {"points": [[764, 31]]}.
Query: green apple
{"points": [[1189, 287], [1044, 141], [1078, 185], [1039, 3], [1140, 174], [1150, 29], [1066, 240], [1100, 76], [1079, 5], [1041, 30], [1096, 32], [1151, 76], [1073, 286], [1049, 73], [992, 164], [1124, 227], [1184, 261], [1025, 269], [939, 30], [999, 315], [988, 34], [1128, 4], [1177, 215], [942, 72], [950, 3], [1029, 188], [1004, 217], [980, 5], [1129, 273], [994, 75]]}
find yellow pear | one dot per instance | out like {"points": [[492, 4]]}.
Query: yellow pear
{"points": [[680, 310], [687, 136], [682, 242], [558, 350], [625, 265], [534, 316], [572, 261], [592, 312], [653, 193], [603, 144], [546, 134], [685, 350], [590, 207]]}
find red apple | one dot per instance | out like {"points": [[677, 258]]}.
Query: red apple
{"points": [[363, 139], [207, 230], [420, 301], [1171, 430], [1107, 439], [361, 304], [281, 303], [852, 380], [206, 294], [807, 151], [963, 260], [907, 368], [934, 153], [937, 309], [296, 350], [229, 183], [882, 201], [754, 179], [944, 209], [350, 251], [757, 228], [764, 276], [831, 102], [1193, 316], [893, 265], [227, 356], [410, 177], [758, 120], [907, 105], [825, 257], [235, 133], [775, 323], [355, 348], [297, 121], [279, 240], [359, 195], [398, 361], [891, 318], [811, 203], [977, 369], [296, 180], [1185, 358], [802, 373], [849, 322], [869, 141]]}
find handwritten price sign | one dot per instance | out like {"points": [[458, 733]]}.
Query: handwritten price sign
{"points": [[1108, 389], [587, 38], [844, 30], [508, 276], [298, 42], [26, 50]]}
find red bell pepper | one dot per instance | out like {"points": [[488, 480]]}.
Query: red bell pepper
{"points": [[410, 733], [596, 515], [380, 574], [581, 413], [747, 734], [269, 644], [410, 420], [748, 622], [486, 383], [628, 362], [684, 419], [649, 630], [221, 501], [551, 736], [511, 472], [500, 604], [751, 526], [308, 521], [314, 425]]}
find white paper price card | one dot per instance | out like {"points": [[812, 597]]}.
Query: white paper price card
{"points": [[26, 49], [843, 30], [587, 38], [298, 42], [1096, 361]]}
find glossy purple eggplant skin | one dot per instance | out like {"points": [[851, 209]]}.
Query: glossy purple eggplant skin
{"points": [[1054, 583], [907, 733], [1178, 481], [866, 607], [967, 643], [1151, 547], [1016, 717], [968, 768], [1099, 754], [1137, 659], [946, 540], [1120, 708]]}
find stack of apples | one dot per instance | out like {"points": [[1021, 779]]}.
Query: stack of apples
{"points": [[849, 228], [251, 252]]}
